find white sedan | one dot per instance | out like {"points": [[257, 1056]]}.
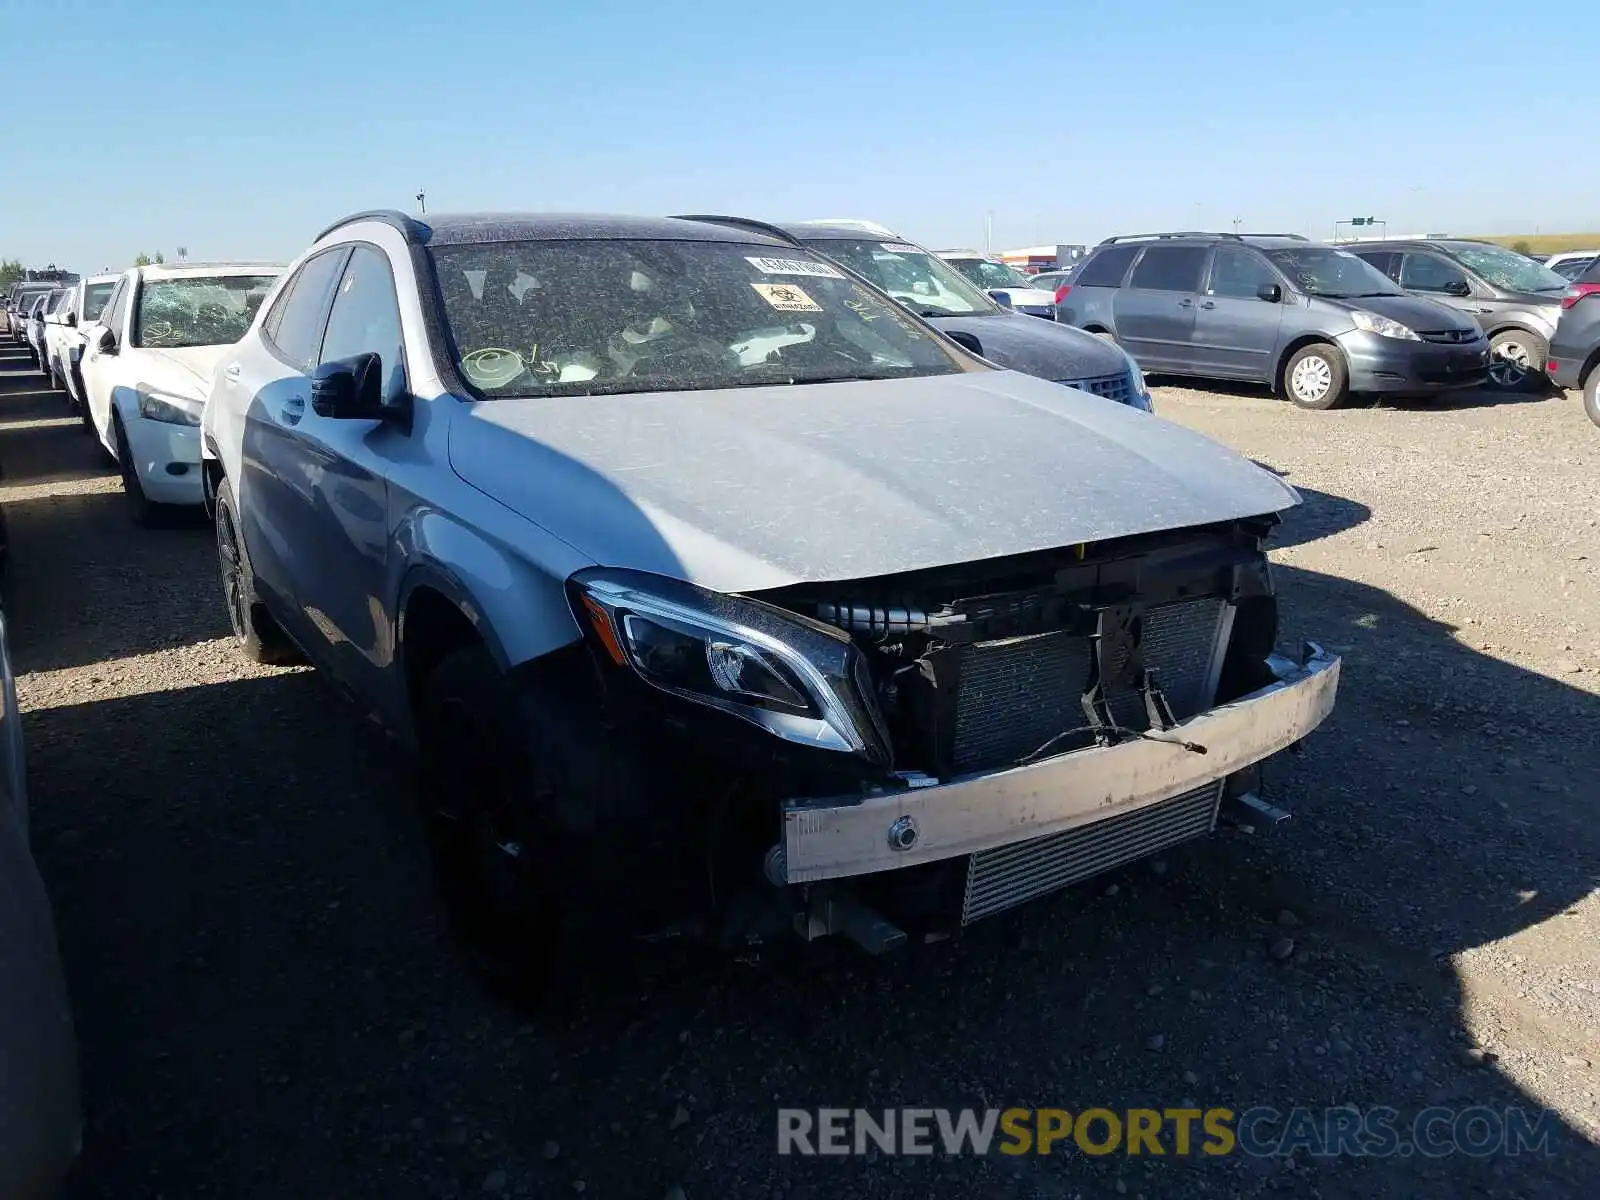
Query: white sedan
{"points": [[63, 334], [147, 367]]}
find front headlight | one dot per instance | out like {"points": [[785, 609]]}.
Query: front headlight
{"points": [[1138, 388], [170, 409], [1382, 326], [798, 679]]}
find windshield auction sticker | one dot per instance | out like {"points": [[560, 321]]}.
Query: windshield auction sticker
{"points": [[900, 248], [785, 297], [794, 266]]}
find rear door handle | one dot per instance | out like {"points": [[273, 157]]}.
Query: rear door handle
{"points": [[293, 409], [1185, 303], [1208, 304], [233, 371]]}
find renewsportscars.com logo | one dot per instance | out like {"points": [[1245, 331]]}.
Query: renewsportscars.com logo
{"points": [[1261, 1131]]}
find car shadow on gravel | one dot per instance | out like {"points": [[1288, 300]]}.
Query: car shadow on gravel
{"points": [[269, 1000], [1482, 397]]}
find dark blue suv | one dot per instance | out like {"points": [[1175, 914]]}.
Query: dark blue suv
{"points": [[1312, 321]]}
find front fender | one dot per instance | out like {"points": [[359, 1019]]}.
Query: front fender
{"points": [[519, 608]]}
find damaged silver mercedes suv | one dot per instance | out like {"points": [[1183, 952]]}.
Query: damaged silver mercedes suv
{"points": [[716, 591]]}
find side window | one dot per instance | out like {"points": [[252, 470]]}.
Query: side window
{"points": [[1107, 268], [1429, 273], [366, 318], [1170, 269], [116, 307], [1236, 272], [1382, 260], [296, 321]]}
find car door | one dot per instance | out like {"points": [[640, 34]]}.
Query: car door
{"points": [[1155, 312], [99, 368], [1436, 277], [1236, 331], [265, 390], [340, 466]]}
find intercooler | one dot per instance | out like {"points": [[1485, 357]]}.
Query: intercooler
{"points": [[1016, 694], [1008, 875]]}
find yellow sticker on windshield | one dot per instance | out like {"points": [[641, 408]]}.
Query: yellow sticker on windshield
{"points": [[785, 297]]}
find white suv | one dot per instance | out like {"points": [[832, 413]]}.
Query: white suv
{"points": [[147, 366]]}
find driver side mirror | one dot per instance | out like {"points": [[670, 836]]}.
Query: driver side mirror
{"points": [[350, 389], [1457, 287], [967, 341], [1003, 299], [69, 318], [1270, 292], [106, 342]]}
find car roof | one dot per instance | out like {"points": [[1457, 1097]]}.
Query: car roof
{"points": [[459, 229], [1262, 241], [206, 270], [101, 279]]}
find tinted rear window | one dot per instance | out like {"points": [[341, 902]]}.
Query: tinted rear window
{"points": [[1170, 268], [1592, 275], [1107, 268]]}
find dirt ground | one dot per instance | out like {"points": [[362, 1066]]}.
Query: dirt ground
{"points": [[270, 1005]]}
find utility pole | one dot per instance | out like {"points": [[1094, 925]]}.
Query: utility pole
{"points": [[988, 232], [422, 199], [1237, 221]]}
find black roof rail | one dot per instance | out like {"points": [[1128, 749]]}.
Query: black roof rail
{"points": [[1144, 237], [748, 224], [1293, 237], [411, 228]]}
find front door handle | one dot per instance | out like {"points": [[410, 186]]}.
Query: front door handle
{"points": [[233, 370], [1186, 303], [293, 409], [1208, 304]]}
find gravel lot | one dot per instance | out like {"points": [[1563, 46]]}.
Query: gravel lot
{"points": [[269, 1003]]}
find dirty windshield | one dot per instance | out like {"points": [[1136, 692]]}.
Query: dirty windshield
{"points": [[1333, 274], [987, 274], [636, 315], [198, 310], [1510, 270], [921, 281]]}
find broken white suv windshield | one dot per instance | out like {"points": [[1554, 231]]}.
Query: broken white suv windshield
{"points": [[535, 318]]}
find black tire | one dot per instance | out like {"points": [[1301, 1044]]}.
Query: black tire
{"points": [[258, 637], [1591, 394], [500, 758], [141, 508], [1315, 377], [1516, 360]]}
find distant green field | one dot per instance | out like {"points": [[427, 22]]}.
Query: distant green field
{"points": [[1545, 243]]}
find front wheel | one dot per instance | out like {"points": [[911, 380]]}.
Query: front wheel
{"points": [[1315, 377], [140, 507], [1516, 359], [1591, 395]]}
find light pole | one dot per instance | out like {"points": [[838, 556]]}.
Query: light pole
{"points": [[988, 232], [422, 201], [1237, 221]]}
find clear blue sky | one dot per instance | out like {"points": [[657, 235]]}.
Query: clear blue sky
{"points": [[239, 128]]}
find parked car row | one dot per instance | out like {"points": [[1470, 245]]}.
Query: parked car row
{"points": [[1319, 323], [560, 500]]}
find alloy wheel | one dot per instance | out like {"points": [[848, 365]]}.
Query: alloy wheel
{"points": [[232, 573], [1511, 365]]}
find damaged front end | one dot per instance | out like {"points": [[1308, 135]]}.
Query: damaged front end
{"points": [[922, 750]]}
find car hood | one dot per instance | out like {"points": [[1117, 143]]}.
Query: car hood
{"points": [[185, 371], [1415, 311], [752, 488], [1034, 347]]}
